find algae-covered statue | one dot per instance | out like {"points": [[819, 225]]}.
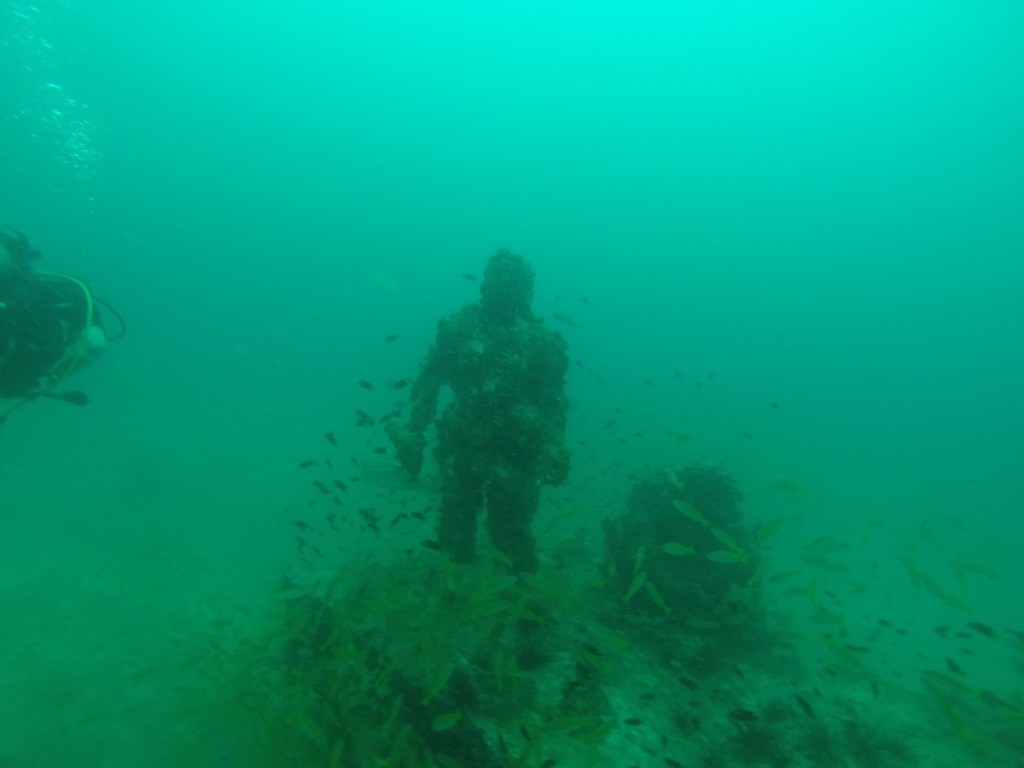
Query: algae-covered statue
{"points": [[501, 437]]}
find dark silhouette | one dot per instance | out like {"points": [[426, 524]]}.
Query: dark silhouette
{"points": [[501, 437], [49, 327]]}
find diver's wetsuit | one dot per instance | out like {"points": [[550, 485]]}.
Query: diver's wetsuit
{"points": [[40, 319]]}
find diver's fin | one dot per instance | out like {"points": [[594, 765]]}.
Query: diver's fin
{"points": [[76, 397]]}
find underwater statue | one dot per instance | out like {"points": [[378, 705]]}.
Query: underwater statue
{"points": [[501, 437]]}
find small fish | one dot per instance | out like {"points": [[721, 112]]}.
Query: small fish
{"points": [[744, 715], [340, 485], [564, 319], [633, 721], [922, 579], [675, 548], [672, 763], [820, 561], [691, 512], [982, 629], [638, 559], [330, 438], [941, 631], [953, 667], [400, 384], [363, 419], [289, 595], [469, 277], [768, 529], [725, 538], [804, 705], [826, 544], [726, 557], [365, 384], [445, 721], [369, 515], [431, 544], [301, 525], [789, 486], [75, 398], [321, 487], [390, 338], [638, 581], [656, 596], [307, 463]]}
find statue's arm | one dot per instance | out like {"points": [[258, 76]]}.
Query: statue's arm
{"points": [[410, 440]]}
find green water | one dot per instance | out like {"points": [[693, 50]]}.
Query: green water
{"points": [[782, 237]]}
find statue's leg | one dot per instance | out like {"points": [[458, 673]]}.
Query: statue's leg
{"points": [[462, 499], [512, 502]]}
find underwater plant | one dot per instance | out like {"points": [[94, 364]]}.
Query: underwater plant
{"points": [[679, 555], [422, 661]]}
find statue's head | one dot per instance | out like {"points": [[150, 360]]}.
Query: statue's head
{"points": [[506, 292]]}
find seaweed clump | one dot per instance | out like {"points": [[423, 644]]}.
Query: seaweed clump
{"points": [[680, 550], [419, 661], [427, 662]]}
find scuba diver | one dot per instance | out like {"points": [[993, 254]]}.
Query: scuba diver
{"points": [[49, 327], [501, 437]]}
